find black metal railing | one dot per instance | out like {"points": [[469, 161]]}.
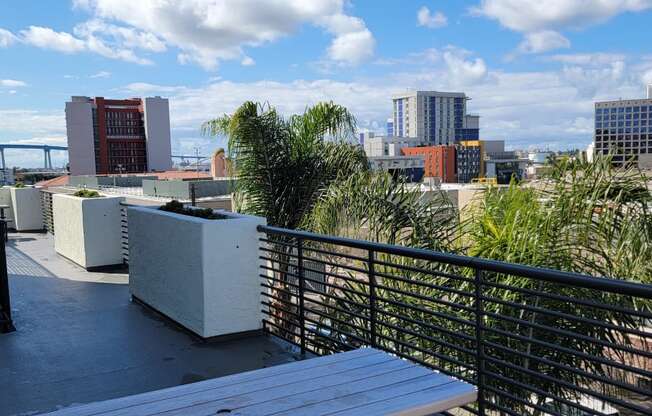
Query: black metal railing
{"points": [[124, 232], [6, 323], [46, 210], [534, 341]]}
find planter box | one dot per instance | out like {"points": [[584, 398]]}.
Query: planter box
{"points": [[87, 230], [5, 199], [26, 207], [201, 273]]}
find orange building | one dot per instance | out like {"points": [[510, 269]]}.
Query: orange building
{"points": [[439, 161]]}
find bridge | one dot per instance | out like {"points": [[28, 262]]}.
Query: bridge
{"points": [[47, 159]]}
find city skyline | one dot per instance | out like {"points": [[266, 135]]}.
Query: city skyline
{"points": [[532, 76]]}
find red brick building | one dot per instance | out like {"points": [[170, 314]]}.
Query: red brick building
{"points": [[439, 161], [118, 136]]}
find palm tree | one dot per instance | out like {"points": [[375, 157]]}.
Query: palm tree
{"points": [[283, 165]]}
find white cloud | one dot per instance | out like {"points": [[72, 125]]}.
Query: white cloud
{"points": [[12, 83], [433, 21], [46, 38], [353, 47], [207, 31], [7, 38], [463, 71], [537, 15], [101, 74], [543, 41], [587, 58], [541, 21], [247, 61]]}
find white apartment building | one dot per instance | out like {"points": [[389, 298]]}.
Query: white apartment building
{"points": [[436, 118], [624, 129], [380, 146]]}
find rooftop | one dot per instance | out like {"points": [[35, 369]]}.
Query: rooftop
{"points": [[80, 339]]}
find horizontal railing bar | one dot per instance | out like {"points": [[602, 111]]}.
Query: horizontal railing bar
{"points": [[570, 334], [426, 337], [426, 271], [337, 308], [571, 386], [347, 346], [278, 280], [287, 292], [271, 305], [537, 391], [335, 253], [341, 321], [427, 352], [561, 298], [276, 298], [573, 370], [565, 278], [567, 316], [555, 347], [431, 326], [427, 298], [334, 275], [307, 279], [423, 284], [429, 312], [546, 411]]}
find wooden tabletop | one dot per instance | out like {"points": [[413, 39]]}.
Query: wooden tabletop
{"points": [[360, 382]]}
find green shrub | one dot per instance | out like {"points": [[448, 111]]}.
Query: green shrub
{"points": [[85, 193], [19, 185], [178, 208]]}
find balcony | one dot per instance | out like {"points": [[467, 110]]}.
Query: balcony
{"points": [[533, 341], [80, 339]]}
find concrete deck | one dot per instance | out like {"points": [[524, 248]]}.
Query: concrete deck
{"points": [[80, 339]]}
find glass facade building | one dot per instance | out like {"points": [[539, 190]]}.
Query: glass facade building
{"points": [[624, 129]]}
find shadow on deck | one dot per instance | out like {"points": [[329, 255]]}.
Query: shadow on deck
{"points": [[80, 341]]}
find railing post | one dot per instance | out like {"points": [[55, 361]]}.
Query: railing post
{"points": [[302, 282], [372, 298], [479, 323], [6, 324], [193, 195]]}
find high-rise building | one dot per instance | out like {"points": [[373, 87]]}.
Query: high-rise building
{"points": [[437, 118], [469, 158], [623, 128], [390, 127], [118, 136]]}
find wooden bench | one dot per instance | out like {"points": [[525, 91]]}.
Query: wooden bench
{"points": [[361, 382]]}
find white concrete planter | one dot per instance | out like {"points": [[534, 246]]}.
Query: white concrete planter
{"points": [[201, 273], [26, 207], [5, 199], [87, 230]]}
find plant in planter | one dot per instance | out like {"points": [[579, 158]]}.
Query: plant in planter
{"points": [[19, 185], [86, 193], [178, 208]]}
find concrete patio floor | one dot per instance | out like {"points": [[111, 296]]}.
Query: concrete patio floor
{"points": [[80, 339]]}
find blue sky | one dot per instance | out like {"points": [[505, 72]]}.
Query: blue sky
{"points": [[533, 68]]}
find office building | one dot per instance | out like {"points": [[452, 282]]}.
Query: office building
{"points": [[439, 161], [411, 168], [362, 137], [377, 146], [118, 136], [436, 118], [469, 156], [623, 128], [390, 127]]}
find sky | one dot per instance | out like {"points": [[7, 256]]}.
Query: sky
{"points": [[533, 68]]}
